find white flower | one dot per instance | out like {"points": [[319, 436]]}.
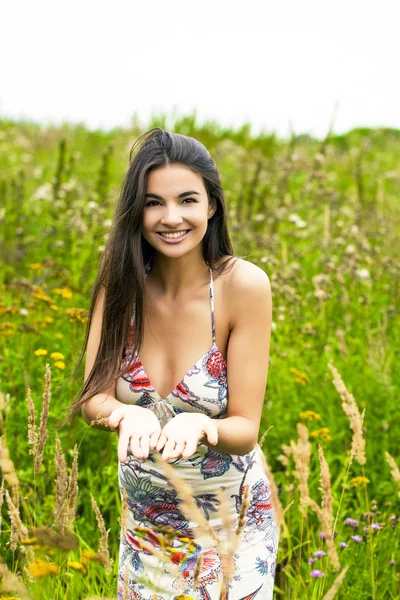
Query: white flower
{"points": [[350, 249], [293, 218], [363, 274], [24, 312], [300, 223]]}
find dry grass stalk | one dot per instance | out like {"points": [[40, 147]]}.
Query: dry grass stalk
{"points": [[197, 570], [18, 529], [264, 435], [188, 504], [72, 501], [6, 464], [11, 583], [126, 584], [103, 545], [42, 432], [191, 511], [278, 512], [160, 554], [338, 582], [32, 433], [1, 500], [61, 485], [356, 420], [327, 517], [124, 512], [395, 472], [301, 455]]}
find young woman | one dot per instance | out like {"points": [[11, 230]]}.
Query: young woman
{"points": [[196, 391]]}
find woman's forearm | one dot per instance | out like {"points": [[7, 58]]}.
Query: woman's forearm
{"points": [[100, 404], [236, 435]]}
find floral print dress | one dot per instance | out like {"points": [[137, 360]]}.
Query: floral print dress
{"points": [[153, 503]]}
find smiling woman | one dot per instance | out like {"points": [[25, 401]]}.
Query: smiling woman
{"points": [[196, 392]]}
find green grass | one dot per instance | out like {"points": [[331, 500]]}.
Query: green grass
{"points": [[316, 216]]}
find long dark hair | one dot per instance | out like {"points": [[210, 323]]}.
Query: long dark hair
{"points": [[122, 269]]}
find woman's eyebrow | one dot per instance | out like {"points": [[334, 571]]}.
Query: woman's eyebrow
{"points": [[180, 195]]}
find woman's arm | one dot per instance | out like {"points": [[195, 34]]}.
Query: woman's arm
{"points": [[250, 300], [100, 404]]}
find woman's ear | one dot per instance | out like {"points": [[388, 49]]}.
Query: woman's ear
{"points": [[212, 207]]}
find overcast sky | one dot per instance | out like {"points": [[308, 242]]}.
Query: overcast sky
{"points": [[277, 64]]}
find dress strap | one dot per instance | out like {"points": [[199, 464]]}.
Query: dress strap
{"points": [[212, 306]]}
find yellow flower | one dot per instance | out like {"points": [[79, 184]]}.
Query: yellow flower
{"points": [[63, 292], [77, 314], [357, 481], [310, 415], [29, 541], [41, 568], [49, 319], [59, 336], [7, 332], [53, 306], [77, 566], [301, 376], [322, 433], [59, 364], [57, 355], [41, 296], [35, 266], [40, 352]]}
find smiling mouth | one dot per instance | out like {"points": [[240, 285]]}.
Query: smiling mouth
{"points": [[173, 234]]}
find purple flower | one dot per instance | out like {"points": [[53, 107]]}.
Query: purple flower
{"points": [[376, 526], [392, 563], [351, 522], [356, 538], [311, 561], [322, 535], [317, 573], [343, 545], [319, 553]]}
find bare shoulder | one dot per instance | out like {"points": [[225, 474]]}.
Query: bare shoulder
{"points": [[247, 286]]}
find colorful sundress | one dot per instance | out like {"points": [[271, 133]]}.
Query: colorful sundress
{"points": [[153, 501]]}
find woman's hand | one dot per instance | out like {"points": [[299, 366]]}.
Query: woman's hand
{"points": [[136, 425], [181, 435]]}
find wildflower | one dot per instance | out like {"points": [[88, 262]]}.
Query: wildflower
{"points": [[40, 352], [317, 573], [319, 553], [392, 563], [322, 433], [311, 561], [35, 266], [357, 481], [376, 526], [363, 273], [24, 312], [343, 545], [49, 319], [39, 295], [356, 538], [310, 415], [29, 541], [63, 292], [58, 336], [301, 377], [41, 568], [351, 522], [77, 314], [322, 535], [59, 364], [53, 306], [57, 356], [77, 566]]}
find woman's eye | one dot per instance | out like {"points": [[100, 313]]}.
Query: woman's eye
{"points": [[156, 201]]}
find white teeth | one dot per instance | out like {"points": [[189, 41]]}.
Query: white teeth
{"points": [[174, 235]]}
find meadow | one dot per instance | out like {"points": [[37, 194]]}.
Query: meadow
{"points": [[322, 218]]}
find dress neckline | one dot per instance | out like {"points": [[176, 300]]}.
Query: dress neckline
{"points": [[180, 386]]}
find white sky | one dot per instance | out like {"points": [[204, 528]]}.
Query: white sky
{"points": [[271, 62]]}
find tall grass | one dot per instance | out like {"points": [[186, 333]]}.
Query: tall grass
{"points": [[322, 219]]}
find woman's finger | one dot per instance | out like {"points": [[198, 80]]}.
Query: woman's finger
{"points": [[114, 418], [169, 446], [135, 446], [161, 441], [154, 439], [123, 447], [144, 444], [180, 444], [212, 434], [189, 449]]}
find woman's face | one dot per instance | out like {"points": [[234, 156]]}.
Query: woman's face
{"points": [[165, 212]]}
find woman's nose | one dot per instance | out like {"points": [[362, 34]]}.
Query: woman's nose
{"points": [[172, 216]]}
